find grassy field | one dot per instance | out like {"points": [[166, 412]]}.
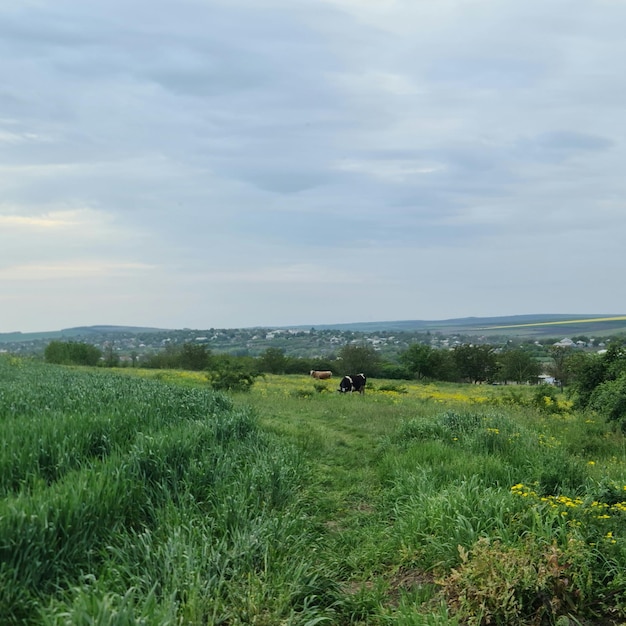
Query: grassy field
{"points": [[142, 497]]}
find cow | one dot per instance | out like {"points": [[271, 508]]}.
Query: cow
{"points": [[321, 374], [352, 383]]}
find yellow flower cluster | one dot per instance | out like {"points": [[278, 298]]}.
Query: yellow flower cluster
{"points": [[599, 510], [548, 442]]}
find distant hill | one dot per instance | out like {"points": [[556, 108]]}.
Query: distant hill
{"points": [[75, 332], [519, 325], [529, 326], [99, 330]]}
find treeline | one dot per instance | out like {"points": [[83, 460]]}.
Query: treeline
{"points": [[469, 363]]}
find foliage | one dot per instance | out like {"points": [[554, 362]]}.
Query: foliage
{"points": [[601, 384], [609, 400], [559, 367], [72, 353], [546, 398], [418, 360], [423, 361], [273, 361], [231, 377], [194, 357], [475, 363], [394, 371], [526, 583], [359, 358], [133, 501], [519, 366], [161, 501], [591, 374]]}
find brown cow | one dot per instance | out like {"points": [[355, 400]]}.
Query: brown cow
{"points": [[321, 374]]}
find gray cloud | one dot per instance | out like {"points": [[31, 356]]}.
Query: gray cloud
{"points": [[247, 162]]}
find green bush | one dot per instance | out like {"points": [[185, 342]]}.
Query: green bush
{"points": [[609, 400], [231, 377]]}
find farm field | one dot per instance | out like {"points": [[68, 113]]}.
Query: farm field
{"points": [[142, 497]]}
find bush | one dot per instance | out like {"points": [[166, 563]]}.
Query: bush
{"points": [[499, 584], [546, 399], [609, 400], [231, 377], [320, 387]]}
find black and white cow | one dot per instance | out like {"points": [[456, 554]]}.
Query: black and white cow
{"points": [[352, 383]]}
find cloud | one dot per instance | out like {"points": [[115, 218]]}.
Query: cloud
{"points": [[248, 161]]}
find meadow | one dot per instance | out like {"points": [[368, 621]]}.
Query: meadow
{"points": [[143, 497]]}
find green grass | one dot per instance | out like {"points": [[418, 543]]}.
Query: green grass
{"points": [[130, 500]]}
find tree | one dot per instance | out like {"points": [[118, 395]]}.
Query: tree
{"points": [[273, 361], [194, 357], [475, 363], [559, 368], [72, 353], [444, 365], [111, 358], [418, 360], [519, 366], [356, 359]]}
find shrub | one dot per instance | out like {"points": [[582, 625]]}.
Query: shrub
{"points": [[502, 584], [302, 393], [546, 399], [609, 400], [231, 377], [320, 387]]}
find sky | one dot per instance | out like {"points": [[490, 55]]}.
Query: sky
{"points": [[237, 163]]}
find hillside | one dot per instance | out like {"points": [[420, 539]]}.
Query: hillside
{"points": [[324, 340], [518, 325]]}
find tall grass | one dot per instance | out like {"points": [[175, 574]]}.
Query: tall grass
{"points": [[135, 501], [466, 503], [131, 501]]}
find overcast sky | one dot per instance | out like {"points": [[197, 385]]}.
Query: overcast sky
{"points": [[235, 163]]}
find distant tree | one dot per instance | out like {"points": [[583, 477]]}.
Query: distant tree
{"points": [[297, 365], [519, 366], [558, 368], [359, 358], [395, 371], [582, 338], [419, 361], [444, 365], [475, 363], [111, 358], [194, 357], [273, 361], [57, 352], [329, 364], [72, 353]]}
